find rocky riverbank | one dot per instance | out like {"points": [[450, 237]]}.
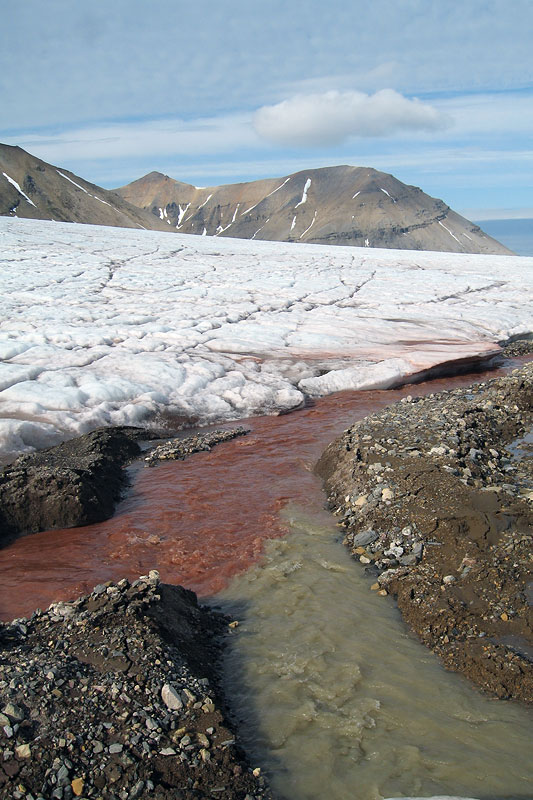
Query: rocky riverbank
{"points": [[116, 696], [436, 497]]}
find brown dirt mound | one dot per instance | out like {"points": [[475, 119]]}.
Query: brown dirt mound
{"points": [[436, 497]]}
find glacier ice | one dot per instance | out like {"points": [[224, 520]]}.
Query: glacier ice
{"points": [[103, 326]]}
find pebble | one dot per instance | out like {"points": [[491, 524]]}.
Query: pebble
{"points": [[14, 712], [171, 697], [364, 538]]}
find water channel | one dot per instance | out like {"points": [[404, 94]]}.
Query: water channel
{"points": [[336, 698]]}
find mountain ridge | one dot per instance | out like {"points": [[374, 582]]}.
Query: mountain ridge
{"points": [[341, 205], [33, 189]]}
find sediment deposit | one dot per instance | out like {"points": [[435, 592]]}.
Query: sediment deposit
{"points": [[435, 494], [115, 695]]}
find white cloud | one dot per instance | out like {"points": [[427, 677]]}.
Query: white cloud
{"points": [[330, 118]]}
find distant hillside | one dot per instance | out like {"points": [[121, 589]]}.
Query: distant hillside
{"points": [[33, 189], [356, 206], [342, 205]]}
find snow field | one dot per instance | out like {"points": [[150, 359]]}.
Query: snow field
{"points": [[104, 326]]}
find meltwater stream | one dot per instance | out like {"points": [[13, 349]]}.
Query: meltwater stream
{"points": [[339, 701]]}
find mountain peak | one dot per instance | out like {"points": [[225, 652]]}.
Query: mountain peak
{"points": [[339, 205], [342, 204]]}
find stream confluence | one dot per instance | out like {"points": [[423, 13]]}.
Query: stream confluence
{"points": [[336, 698]]}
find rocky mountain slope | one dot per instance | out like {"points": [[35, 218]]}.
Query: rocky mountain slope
{"points": [[342, 205], [356, 206], [33, 189]]}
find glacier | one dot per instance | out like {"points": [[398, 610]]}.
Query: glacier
{"points": [[106, 326]]}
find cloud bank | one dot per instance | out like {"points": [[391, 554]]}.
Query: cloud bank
{"points": [[330, 118], [156, 137]]}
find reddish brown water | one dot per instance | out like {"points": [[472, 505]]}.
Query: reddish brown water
{"points": [[198, 522]]}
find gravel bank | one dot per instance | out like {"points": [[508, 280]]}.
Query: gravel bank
{"points": [[115, 696], [436, 497]]}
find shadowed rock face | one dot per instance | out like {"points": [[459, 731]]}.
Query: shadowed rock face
{"points": [[76, 483], [32, 189], [344, 205]]}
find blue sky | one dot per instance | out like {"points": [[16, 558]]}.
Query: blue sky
{"points": [[439, 94]]}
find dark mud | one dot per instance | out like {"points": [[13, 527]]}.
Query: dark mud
{"points": [[76, 483], [117, 695], [439, 510]]}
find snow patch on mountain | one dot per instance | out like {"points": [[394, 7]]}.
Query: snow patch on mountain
{"points": [[19, 190], [304, 195]]}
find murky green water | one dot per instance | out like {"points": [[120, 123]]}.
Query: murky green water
{"points": [[340, 702]]}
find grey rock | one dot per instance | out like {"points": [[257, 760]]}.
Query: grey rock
{"points": [[137, 790], [409, 560], [418, 549], [364, 538], [171, 697], [14, 712]]}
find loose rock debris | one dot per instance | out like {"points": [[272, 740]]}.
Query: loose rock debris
{"points": [[436, 497], [181, 448], [115, 696]]}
